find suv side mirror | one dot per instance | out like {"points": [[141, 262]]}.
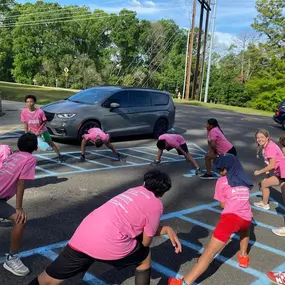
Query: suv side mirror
{"points": [[114, 105]]}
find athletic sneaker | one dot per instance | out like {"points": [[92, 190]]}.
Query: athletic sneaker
{"points": [[14, 264], [206, 176], [121, 156], [82, 158], [262, 206], [60, 158], [174, 281], [279, 231], [243, 261], [277, 278], [198, 171]]}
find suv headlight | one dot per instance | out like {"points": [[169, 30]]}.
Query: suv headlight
{"points": [[65, 115]]}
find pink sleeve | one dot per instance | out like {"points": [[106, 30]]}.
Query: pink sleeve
{"points": [[43, 116], [219, 191], [23, 120], [28, 171], [270, 152], [212, 135], [152, 223]]}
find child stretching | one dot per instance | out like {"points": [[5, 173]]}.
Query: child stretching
{"points": [[217, 145], [17, 168], [272, 155], [98, 137], [5, 151], [34, 122], [232, 191], [118, 233], [170, 141]]}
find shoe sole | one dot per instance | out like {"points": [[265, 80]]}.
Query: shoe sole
{"points": [[273, 281], [14, 272], [280, 235], [207, 178], [266, 209]]}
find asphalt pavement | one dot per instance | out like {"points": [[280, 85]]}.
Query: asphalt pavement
{"points": [[63, 194]]}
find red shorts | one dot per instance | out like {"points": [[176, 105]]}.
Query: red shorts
{"points": [[229, 224]]}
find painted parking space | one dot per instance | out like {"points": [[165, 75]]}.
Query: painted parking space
{"points": [[103, 159], [188, 215]]}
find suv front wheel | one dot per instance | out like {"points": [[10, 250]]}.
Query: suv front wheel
{"points": [[160, 127]]}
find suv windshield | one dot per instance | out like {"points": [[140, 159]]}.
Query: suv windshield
{"points": [[89, 96]]}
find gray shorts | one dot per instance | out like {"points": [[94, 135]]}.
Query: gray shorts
{"points": [[6, 210]]}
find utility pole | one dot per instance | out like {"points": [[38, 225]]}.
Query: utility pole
{"points": [[204, 52], [186, 61], [210, 52], [190, 51], [204, 5]]}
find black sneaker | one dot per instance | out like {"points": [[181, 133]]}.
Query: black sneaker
{"points": [[82, 158], [206, 176], [61, 159], [122, 156], [198, 171]]}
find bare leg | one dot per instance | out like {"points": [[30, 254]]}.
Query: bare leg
{"points": [[189, 158], [208, 161], [45, 279], [142, 275], [244, 238], [112, 148], [83, 146], [16, 235], [204, 261], [54, 147], [265, 184]]}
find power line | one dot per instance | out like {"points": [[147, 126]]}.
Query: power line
{"points": [[144, 84]]}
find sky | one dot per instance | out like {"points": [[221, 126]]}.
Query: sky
{"points": [[233, 16]]}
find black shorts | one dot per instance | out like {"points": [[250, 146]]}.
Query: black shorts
{"points": [[184, 147], [233, 151], [71, 262], [6, 210]]}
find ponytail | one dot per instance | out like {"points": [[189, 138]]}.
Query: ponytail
{"points": [[214, 123]]}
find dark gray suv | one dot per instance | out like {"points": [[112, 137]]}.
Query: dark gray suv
{"points": [[118, 111]]}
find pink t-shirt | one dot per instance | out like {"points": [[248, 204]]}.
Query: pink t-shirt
{"points": [[172, 140], [5, 151], [236, 199], [272, 150], [34, 119], [109, 232], [94, 132], [222, 144], [19, 165]]}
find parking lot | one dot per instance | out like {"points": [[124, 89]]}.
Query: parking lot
{"points": [[63, 194]]}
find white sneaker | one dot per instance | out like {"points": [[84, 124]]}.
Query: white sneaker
{"points": [[261, 205], [279, 231], [15, 265]]}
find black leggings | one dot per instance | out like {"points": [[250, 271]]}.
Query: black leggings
{"points": [[233, 151]]}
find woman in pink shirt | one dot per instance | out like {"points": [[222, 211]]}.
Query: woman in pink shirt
{"points": [[118, 233], [170, 141], [232, 191], [98, 137], [272, 156], [217, 145]]}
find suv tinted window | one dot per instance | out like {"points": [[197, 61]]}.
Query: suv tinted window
{"points": [[159, 99], [121, 98], [88, 96], [140, 99]]}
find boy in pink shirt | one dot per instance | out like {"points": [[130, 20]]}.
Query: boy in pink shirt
{"points": [[5, 151], [232, 191], [17, 168], [118, 233], [170, 141], [217, 145], [98, 137], [34, 122]]}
